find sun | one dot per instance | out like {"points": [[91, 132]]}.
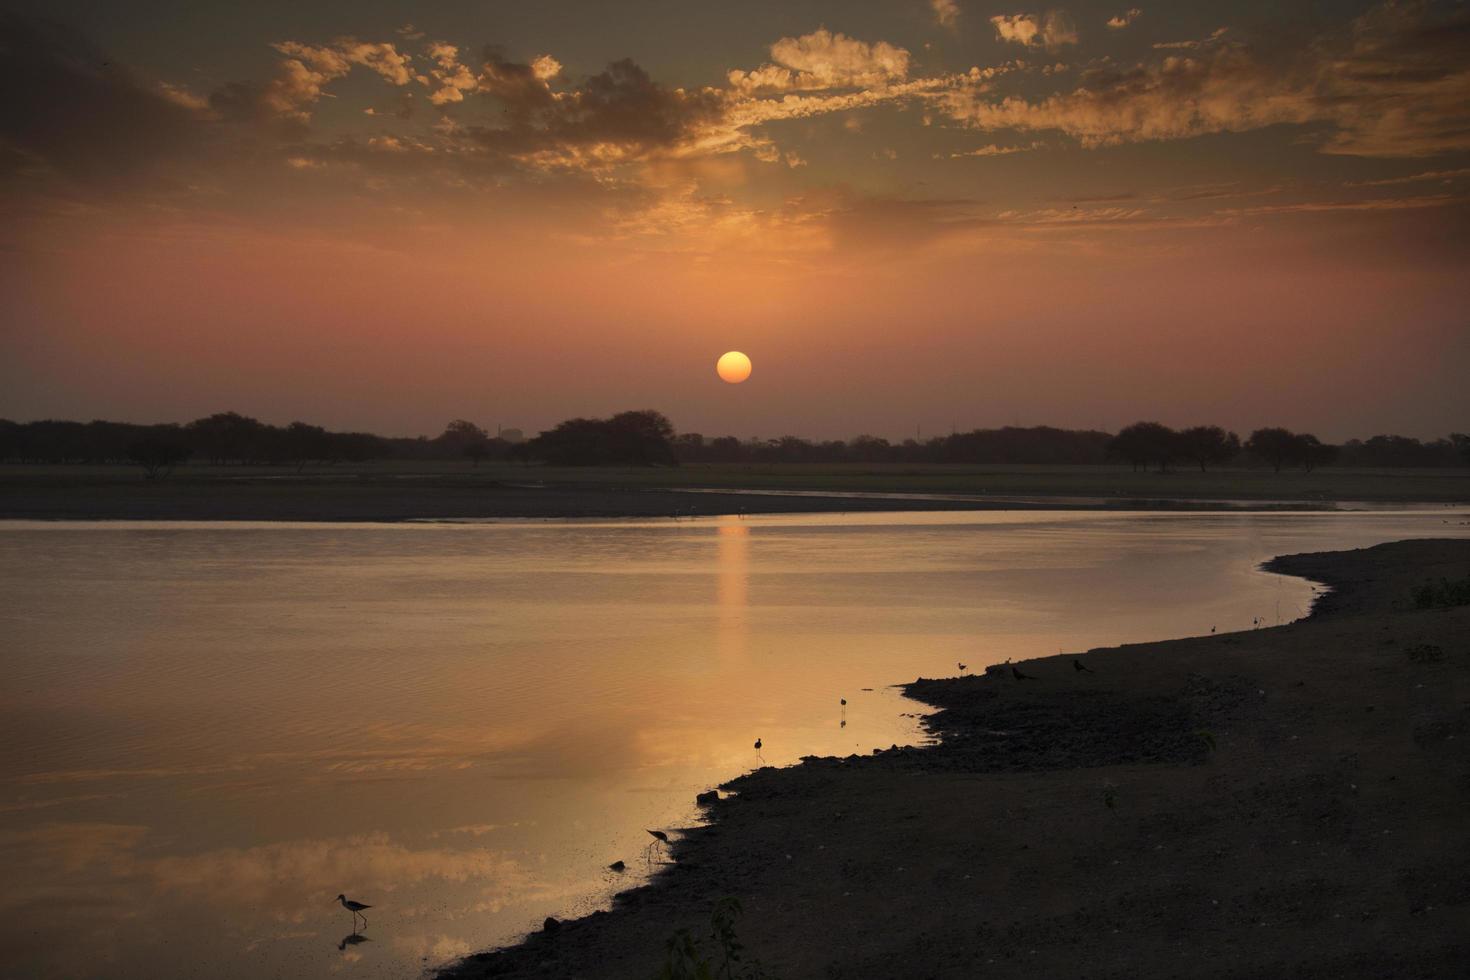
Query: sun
{"points": [[733, 367]]}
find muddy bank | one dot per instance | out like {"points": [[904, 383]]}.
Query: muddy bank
{"points": [[1288, 802]]}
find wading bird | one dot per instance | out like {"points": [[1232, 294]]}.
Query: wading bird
{"points": [[758, 750], [962, 667], [355, 908], [659, 837]]}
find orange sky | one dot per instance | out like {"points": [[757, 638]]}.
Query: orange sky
{"points": [[908, 214]]}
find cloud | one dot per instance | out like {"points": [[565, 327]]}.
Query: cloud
{"points": [[992, 150], [946, 13], [1440, 175], [70, 110], [1050, 30], [823, 60], [1192, 45], [307, 69], [1375, 204], [615, 116], [451, 79], [1398, 84], [1119, 21]]}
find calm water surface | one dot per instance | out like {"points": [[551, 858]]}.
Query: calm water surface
{"points": [[208, 731]]}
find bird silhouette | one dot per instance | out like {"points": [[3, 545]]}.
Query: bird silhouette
{"points": [[355, 908], [1020, 676], [844, 701], [1081, 667], [659, 837], [962, 667]]}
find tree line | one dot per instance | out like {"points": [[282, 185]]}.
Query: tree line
{"points": [[647, 438]]}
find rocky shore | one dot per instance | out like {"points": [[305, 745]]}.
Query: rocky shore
{"points": [[1287, 802]]}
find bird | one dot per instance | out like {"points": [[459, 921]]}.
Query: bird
{"points": [[659, 837], [844, 701], [1020, 676], [356, 908], [962, 667], [758, 750], [1081, 667], [757, 745]]}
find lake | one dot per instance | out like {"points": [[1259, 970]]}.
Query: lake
{"points": [[208, 731]]}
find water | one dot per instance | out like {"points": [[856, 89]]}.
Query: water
{"points": [[209, 731]]}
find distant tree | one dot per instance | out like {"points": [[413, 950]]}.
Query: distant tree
{"points": [[1461, 442], [726, 449], [869, 449], [157, 456], [641, 438], [462, 438], [1145, 442], [1282, 447], [1208, 444], [1276, 446], [227, 436], [304, 443], [1311, 452]]}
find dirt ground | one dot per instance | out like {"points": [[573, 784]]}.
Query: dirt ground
{"points": [[1284, 803]]}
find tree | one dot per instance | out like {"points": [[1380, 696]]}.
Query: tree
{"points": [[1274, 445], [1206, 444], [157, 456], [641, 438], [1311, 452], [1461, 442], [304, 443], [464, 438], [1145, 442], [1282, 447], [227, 435]]}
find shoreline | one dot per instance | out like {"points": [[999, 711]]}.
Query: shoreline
{"points": [[1287, 801], [384, 493], [372, 505]]}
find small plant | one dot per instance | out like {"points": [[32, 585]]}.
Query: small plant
{"points": [[685, 959], [1441, 594]]}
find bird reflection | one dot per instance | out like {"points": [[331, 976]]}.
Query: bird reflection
{"points": [[352, 939]]}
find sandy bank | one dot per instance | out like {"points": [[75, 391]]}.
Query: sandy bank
{"points": [[1289, 802]]}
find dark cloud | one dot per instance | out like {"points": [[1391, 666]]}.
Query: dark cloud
{"points": [[619, 114], [67, 105]]}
